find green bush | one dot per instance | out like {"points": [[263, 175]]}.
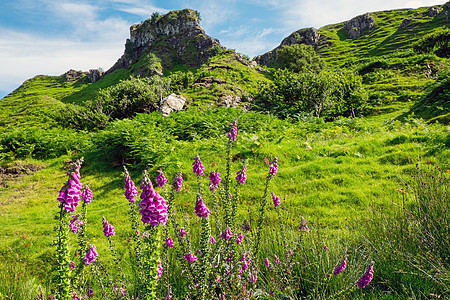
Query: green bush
{"points": [[328, 93], [437, 42], [300, 58], [41, 143]]}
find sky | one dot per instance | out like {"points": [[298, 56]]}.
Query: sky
{"points": [[49, 37]]}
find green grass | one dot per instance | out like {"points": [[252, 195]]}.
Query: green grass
{"points": [[375, 153], [384, 39]]}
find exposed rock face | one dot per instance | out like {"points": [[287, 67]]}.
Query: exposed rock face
{"points": [[446, 5], [433, 11], [229, 100], [174, 37], [94, 75], [308, 36], [171, 103], [73, 75], [405, 23], [356, 26]]}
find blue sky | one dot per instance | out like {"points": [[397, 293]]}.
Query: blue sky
{"points": [[52, 36]]}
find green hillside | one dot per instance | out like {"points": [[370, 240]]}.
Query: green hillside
{"points": [[387, 37], [362, 147]]}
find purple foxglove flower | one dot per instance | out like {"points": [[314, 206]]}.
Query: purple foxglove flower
{"points": [[160, 270], [181, 232], [254, 277], [340, 268], [70, 194], [161, 179], [190, 257], [244, 255], [200, 208], [273, 168], [366, 278], [266, 262], [90, 293], [75, 297], [242, 175], [239, 238], [245, 265], [72, 265], [130, 189], [276, 200], [91, 255], [289, 253], [214, 180], [325, 247], [179, 182], [87, 195], [245, 226], [233, 132], [73, 224], [108, 229], [227, 234], [153, 207], [73, 227], [277, 261], [169, 242], [122, 292], [212, 240], [197, 166], [304, 227]]}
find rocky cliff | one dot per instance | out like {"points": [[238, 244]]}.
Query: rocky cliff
{"points": [[308, 36], [175, 38]]}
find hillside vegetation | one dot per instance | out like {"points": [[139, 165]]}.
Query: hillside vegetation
{"points": [[359, 128]]}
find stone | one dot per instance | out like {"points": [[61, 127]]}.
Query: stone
{"points": [[73, 75], [433, 11], [405, 23], [171, 103], [308, 36], [94, 75], [175, 37], [356, 26], [229, 100]]}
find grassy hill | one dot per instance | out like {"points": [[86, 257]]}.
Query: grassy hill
{"points": [[353, 180]]}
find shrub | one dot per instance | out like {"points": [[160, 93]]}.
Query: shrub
{"points": [[329, 94], [437, 42], [300, 58]]}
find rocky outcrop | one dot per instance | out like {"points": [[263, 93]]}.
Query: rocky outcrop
{"points": [[308, 36], [446, 5], [433, 11], [73, 75], [171, 103], [405, 23], [94, 75], [175, 37], [356, 26]]}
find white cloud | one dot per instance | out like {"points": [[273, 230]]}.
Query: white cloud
{"points": [[266, 31], [23, 56], [144, 11], [317, 13], [215, 12]]}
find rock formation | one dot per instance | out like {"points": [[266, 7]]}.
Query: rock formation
{"points": [[356, 26], [176, 38], [433, 11], [171, 103], [308, 36], [94, 75]]}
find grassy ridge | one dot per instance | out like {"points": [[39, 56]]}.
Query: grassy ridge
{"points": [[387, 37]]}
